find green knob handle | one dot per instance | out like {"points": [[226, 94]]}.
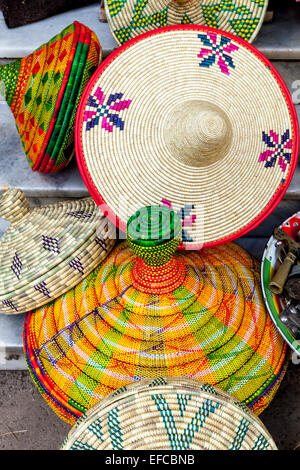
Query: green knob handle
{"points": [[154, 234]]}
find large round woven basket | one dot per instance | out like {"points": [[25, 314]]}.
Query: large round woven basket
{"points": [[273, 301], [192, 118], [129, 18], [43, 91], [170, 414], [144, 313], [49, 249]]}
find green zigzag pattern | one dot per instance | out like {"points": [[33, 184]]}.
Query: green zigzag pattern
{"points": [[182, 441], [96, 429], [183, 401], [241, 434], [79, 445], [261, 443], [158, 381], [211, 16], [115, 6]]}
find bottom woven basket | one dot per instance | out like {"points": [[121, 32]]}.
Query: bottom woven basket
{"points": [[169, 414]]}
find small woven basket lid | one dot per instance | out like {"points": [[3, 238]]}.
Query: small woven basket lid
{"points": [[269, 263], [170, 414], [193, 118], [43, 91], [129, 18], [49, 249], [144, 313]]}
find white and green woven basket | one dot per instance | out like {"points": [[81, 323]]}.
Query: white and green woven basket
{"points": [[169, 414]]}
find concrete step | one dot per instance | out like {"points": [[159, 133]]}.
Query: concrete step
{"points": [[277, 40]]}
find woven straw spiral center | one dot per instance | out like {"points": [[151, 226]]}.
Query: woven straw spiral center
{"points": [[198, 133]]}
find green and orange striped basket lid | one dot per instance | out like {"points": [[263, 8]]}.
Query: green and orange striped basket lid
{"points": [[170, 413], [149, 311], [129, 18], [273, 301], [43, 91]]}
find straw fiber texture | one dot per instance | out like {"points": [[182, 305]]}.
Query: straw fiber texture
{"points": [[43, 91], [129, 18], [192, 118], [170, 414], [49, 249], [201, 315], [18, 13], [269, 266]]}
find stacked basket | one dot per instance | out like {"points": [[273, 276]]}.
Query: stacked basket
{"points": [[145, 313], [188, 140]]}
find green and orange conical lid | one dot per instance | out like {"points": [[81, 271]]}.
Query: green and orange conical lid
{"points": [[150, 311], [43, 91]]}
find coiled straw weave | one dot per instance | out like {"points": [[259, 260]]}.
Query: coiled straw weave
{"points": [[129, 18], [49, 249], [201, 315]]}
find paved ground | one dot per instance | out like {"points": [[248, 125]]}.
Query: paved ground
{"points": [[23, 409]]}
